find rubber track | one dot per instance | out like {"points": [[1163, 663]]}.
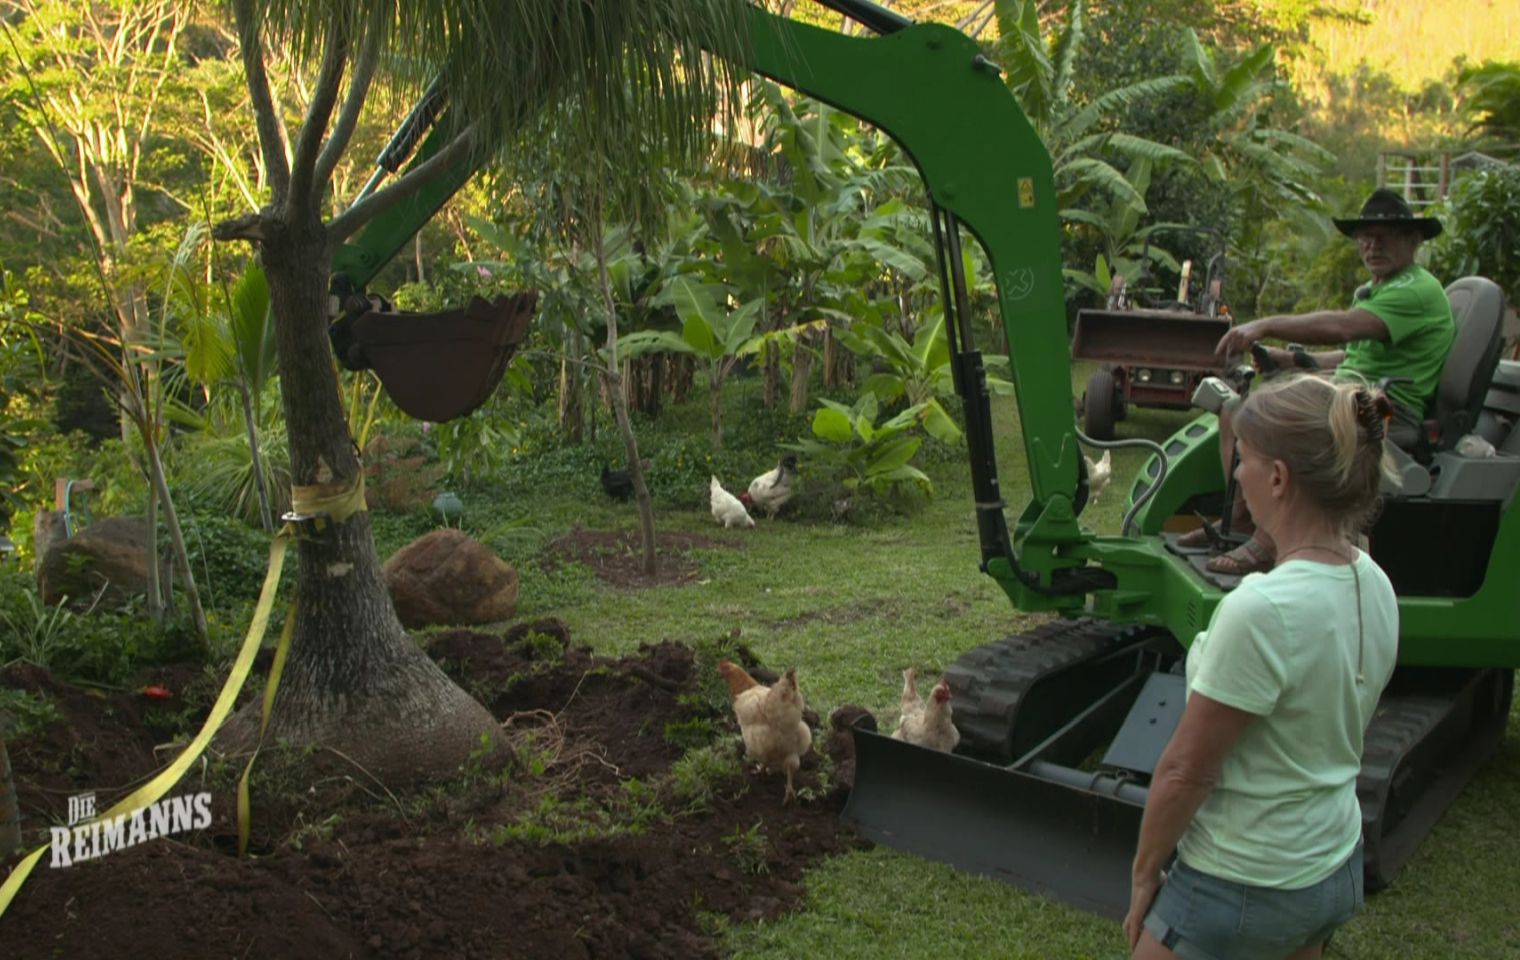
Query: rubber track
{"points": [[1397, 775], [990, 681]]}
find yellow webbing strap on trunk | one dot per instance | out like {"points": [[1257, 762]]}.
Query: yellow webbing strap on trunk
{"points": [[169, 776], [270, 686], [338, 501]]}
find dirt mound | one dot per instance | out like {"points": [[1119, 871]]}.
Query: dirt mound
{"points": [[475, 869], [618, 558]]}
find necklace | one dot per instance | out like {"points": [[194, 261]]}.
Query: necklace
{"points": [[1335, 551], [1356, 578]]}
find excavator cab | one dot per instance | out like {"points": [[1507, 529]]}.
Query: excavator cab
{"points": [[1061, 726]]}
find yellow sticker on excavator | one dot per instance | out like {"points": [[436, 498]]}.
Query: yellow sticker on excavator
{"points": [[1026, 191]]}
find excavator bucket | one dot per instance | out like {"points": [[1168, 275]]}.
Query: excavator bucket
{"points": [[437, 366], [1063, 840]]}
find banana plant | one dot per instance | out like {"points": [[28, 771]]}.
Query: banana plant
{"points": [[917, 371], [716, 335], [1080, 136], [873, 456]]}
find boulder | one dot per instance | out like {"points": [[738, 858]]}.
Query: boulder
{"points": [[108, 559], [446, 579]]}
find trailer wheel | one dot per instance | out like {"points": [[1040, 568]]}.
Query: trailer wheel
{"points": [[1101, 404]]}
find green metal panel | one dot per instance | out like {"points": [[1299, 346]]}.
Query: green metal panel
{"points": [[383, 237], [1478, 631]]}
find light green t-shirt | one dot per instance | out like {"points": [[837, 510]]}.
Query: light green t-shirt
{"points": [[1284, 646], [1414, 308]]}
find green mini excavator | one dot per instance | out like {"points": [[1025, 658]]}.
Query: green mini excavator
{"points": [[1062, 726]]}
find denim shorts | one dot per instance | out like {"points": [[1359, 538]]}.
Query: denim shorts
{"points": [[1202, 917]]}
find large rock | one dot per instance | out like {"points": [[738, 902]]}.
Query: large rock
{"points": [[445, 578], [99, 567]]}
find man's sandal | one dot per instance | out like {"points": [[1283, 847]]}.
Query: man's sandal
{"points": [[1250, 557], [1198, 538]]}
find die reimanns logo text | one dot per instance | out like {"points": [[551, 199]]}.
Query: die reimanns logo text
{"points": [[86, 838]]}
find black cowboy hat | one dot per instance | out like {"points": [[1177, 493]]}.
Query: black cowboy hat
{"points": [[1385, 206]]}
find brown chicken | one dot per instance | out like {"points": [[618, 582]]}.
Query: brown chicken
{"points": [[926, 724], [770, 720]]}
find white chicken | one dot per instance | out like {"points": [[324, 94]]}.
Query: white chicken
{"points": [[772, 489], [1098, 473], [926, 724], [726, 508]]}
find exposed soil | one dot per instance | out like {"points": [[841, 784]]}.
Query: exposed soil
{"points": [[618, 558], [346, 870]]}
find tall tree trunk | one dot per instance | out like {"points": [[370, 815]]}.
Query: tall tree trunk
{"points": [[572, 407], [802, 371], [620, 410], [681, 375], [10, 810], [715, 408], [354, 680], [177, 540], [830, 359], [772, 374], [155, 569]]}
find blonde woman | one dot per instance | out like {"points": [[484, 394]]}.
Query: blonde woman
{"points": [[1256, 791]]}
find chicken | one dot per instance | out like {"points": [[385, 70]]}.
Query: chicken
{"points": [[726, 508], [926, 724], [770, 721], [1098, 473], [772, 489], [618, 484]]}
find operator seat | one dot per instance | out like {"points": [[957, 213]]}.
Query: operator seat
{"points": [[1477, 308], [1477, 311]]}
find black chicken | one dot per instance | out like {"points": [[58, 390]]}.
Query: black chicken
{"points": [[619, 483]]}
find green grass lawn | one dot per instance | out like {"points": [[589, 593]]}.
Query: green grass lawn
{"points": [[851, 606]]}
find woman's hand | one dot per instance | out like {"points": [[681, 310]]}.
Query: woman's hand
{"points": [[1142, 893]]}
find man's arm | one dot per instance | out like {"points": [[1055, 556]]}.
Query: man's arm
{"points": [[1323, 327]]}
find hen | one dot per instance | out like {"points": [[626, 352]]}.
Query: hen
{"points": [[1098, 474], [726, 508], [772, 489], [926, 724], [618, 484], [770, 721]]}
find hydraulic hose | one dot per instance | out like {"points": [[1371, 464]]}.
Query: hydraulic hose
{"points": [[1150, 491]]}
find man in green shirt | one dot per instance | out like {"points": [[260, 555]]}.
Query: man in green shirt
{"points": [[1398, 325]]}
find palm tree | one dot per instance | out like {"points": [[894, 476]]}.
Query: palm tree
{"points": [[354, 681]]}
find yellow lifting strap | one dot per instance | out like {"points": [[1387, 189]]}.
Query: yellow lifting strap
{"points": [[312, 506]]}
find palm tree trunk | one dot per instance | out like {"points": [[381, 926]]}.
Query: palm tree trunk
{"points": [[354, 680]]}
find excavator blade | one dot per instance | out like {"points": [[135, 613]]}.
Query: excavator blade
{"points": [[1062, 840]]}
